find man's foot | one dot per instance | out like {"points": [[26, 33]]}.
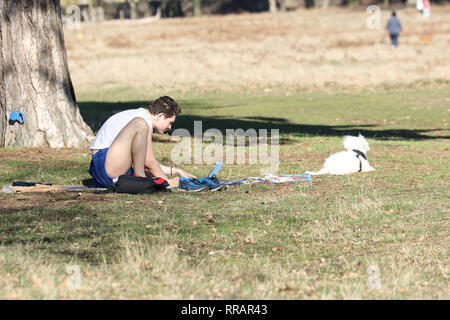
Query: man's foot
{"points": [[212, 183], [191, 185]]}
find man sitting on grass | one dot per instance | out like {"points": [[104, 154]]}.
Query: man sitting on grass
{"points": [[123, 144]]}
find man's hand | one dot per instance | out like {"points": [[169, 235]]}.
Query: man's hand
{"points": [[184, 174], [174, 182]]}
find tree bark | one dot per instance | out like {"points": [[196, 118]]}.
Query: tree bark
{"points": [[35, 79], [273, 6], [325, 4], [133, 11], [197, 8]]}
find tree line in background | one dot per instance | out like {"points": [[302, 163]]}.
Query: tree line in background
{"points": [[131, 9]]}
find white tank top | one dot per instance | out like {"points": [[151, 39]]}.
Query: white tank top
{"points": [[112, 127]]}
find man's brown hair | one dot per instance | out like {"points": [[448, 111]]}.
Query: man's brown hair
{"points": [[166, 105]]}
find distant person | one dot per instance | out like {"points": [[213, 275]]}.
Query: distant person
{"points": [[419, 6], [426, 9], [394, 27]]}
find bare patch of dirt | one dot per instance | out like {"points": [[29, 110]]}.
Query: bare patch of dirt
{"points": [[36, 154]]}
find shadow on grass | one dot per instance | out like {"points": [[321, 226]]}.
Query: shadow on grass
{"points": [[96, 113], [76, 232]]}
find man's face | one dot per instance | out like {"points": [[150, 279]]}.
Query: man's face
{"points": [[163, 124]]}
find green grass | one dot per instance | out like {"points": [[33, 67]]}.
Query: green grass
{"points": [[293, 241]]}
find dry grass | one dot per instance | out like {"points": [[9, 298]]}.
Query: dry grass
{"points": [[301, 49], [161, 271], [291, 241]]}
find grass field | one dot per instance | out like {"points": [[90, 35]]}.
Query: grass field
{"points": [[300, 240], [377, 235]]}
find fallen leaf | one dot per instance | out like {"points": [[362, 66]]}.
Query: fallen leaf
{"points": [[12, 279], [322, 262], [209, 217], [145, 266], [249, 241], [180, 247], [287, 289], [216, 252], [423, 237], [351, 275], [36, 281]]}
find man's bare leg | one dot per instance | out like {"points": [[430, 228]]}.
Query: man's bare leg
{"points": [[129, 148]]}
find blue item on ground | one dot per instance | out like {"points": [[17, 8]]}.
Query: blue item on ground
{"points": [[16, 116], [215, 170], [191, 185], [209, 182], [212, 183]]}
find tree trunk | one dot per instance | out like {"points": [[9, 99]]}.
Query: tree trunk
{"points": [[197, 4], [34, 78], [325, 4], [273, 6], [133, 11]]}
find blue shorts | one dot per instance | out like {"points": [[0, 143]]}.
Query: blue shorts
{"points": [[100, 179]]}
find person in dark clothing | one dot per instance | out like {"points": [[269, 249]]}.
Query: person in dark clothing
{"points": [[394, 27]]}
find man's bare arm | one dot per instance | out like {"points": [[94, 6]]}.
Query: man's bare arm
{"points": [[153, 165], [173, 170], [159, 170]]}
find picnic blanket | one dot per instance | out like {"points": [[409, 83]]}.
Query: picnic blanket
{"points": [[26, 187], [281, 178]]}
